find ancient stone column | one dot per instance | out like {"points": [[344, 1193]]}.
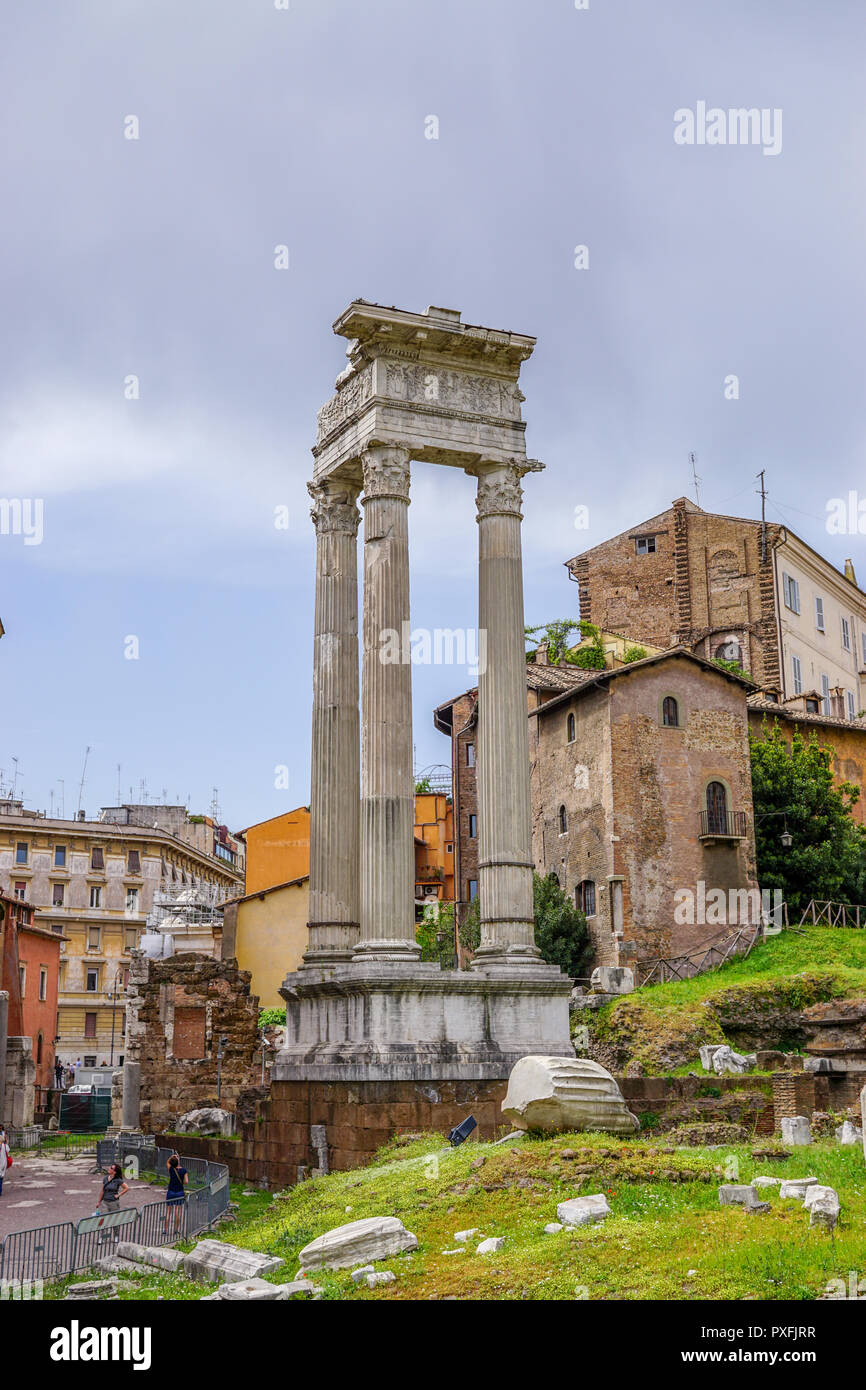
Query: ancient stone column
{"points": [[504, 819], [335, 767], [387, 786], [131, 1105]]}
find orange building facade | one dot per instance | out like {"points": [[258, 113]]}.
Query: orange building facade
{"points": [[30, 972], [278, 850]]}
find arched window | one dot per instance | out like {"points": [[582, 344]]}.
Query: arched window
{"points": [[729, 650], [563, 820], [670, 713], [584, 897], [717, 809], [571, 728]]}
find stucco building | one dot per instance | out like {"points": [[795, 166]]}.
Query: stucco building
{"points": [[95, 883], [736, 588], [29, 972]]}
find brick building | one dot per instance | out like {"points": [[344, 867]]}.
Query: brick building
{"points": [[735, 588], [641, 787], [30, 971]]}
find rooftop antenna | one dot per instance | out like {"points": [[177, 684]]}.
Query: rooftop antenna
{"points": [[119, 789], [62, 809], [762, 491], [693, 460], [83, 771], [215, 807], [51, 804], [14, 777]]}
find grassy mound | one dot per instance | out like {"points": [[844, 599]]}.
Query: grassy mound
{"points": [[667, 1237], [751, 1002]]}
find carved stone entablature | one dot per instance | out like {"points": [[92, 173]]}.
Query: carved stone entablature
{"points": [[466, 393], [386, 472], [334, 506], [499, 487], [349, 400]]}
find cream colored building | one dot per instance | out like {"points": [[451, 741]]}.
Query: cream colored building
{"points": [[267, 933], [95, 883], [822, 621]]}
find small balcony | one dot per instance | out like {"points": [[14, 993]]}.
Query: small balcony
{"points": [[722, 827]]}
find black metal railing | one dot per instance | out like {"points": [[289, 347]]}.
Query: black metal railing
{"points": [[50, 1252], [726, 825]]}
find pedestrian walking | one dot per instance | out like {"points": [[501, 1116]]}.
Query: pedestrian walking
{"points": [[5, 1157], [175, 1197]]}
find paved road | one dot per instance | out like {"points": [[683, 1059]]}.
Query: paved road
{"points": [[40, 1191]]}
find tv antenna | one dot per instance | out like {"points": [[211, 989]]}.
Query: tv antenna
{"points": [[693, 460], [83, 771]]}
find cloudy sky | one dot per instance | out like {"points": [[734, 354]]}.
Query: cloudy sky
{"points": [[260, 126]]}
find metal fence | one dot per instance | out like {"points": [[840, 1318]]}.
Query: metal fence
{"points": [[49, 1252], [56, 1143]]}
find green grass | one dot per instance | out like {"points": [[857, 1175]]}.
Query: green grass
{"points": [[666, 1222], [662, 1026]]}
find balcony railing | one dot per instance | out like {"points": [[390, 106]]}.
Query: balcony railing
{"points": [[723, 825]]}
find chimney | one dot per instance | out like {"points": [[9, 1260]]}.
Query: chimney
{"points": [[541, 654], [82, 815], [837, 702], [849, 571]]}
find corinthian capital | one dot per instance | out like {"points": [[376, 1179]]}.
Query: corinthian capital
{"points": [[334, 506], [386, 471], [499, 487]]}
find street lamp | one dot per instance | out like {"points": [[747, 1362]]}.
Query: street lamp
{"points": [[786, 837]]}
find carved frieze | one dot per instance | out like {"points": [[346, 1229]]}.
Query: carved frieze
{"points": [[347, 402], [463, 392]]}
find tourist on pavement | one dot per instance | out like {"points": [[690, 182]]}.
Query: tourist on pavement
{"points": [[5, 1157], [175, 1197], [113, 1188]]}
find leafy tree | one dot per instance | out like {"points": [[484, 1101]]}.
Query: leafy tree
{"points": [[422, 786], [435, 935], [556, 636], [634, 654], [827, 859], [561, 933], [269, 1018]]}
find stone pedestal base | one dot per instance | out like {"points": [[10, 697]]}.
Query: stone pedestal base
{"points": [[395, 1021]]}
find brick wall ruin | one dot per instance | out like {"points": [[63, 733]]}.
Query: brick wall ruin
{"points": [[177, 1010]]}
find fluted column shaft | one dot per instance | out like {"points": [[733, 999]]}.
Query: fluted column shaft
{"points": [[504, 817], [335, 770], [387, 788]]}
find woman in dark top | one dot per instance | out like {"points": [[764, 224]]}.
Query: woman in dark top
{"points": [[175, 1197], [113, 1188]]}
